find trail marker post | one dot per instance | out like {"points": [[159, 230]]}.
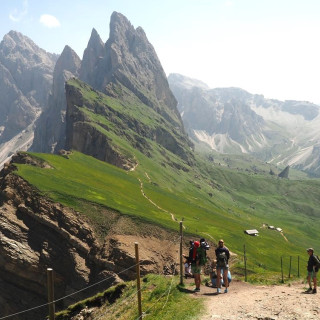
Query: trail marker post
{"points": [[136, 245], [50, 293]]}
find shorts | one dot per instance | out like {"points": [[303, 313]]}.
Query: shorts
{"points": [[312, 274], [195, 269], [223, 268]]}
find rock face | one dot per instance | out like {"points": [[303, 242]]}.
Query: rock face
{"points": [[51, 125], [25, 82], [107, 128], [36, 233], [129, 58], [231, 120]]}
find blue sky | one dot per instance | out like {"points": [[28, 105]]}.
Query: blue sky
{"points": [[269, 47]]}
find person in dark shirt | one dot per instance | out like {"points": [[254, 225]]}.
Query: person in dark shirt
{"points": [[223, 255], [312, 271]]}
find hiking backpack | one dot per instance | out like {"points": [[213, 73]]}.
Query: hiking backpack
{"points": [[317, 260], [222, 259], [202, 256]]}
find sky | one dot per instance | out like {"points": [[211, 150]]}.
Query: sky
{"points": [[269, 47]]}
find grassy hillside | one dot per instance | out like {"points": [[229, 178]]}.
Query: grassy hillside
{"points": [[216, 197], [212, 201]]}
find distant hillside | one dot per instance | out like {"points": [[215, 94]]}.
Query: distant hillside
{"points": [[231, 120]]}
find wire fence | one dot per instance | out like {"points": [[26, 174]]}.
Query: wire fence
{"points": [[244, 266]]}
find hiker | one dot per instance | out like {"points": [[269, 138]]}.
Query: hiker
{"points": [[187, 268], [312, 271], [197, 257], [223, 255]]}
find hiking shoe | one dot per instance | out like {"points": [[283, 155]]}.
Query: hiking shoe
{"points": [[218, 290], [196, 290], [314, 291], [226, 290], [309, 290]]}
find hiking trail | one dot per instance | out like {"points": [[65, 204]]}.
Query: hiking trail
{"points": [[247, 301]]}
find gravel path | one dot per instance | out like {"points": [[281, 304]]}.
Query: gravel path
{"points": [[246, 301]]}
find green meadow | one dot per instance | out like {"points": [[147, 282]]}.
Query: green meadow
{"points": [[212, 202]]}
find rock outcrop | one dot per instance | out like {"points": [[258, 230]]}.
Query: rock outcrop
{"points": [[51, 126], [36, 233]]}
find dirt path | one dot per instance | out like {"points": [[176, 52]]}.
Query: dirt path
{"points": [[153, 203], [245, 301]]}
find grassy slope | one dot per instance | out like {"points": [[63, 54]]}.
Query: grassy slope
{"points": [[244, 201], [215, 200], [162, 299]]}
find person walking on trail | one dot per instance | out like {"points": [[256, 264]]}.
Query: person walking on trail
{"points": [[223, 255], [312, 271]]}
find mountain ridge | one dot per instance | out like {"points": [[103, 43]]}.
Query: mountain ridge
{"points": [[280, 132]]}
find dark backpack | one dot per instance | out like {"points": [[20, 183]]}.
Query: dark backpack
{"points": [[317, 261], [222, 260], [202, 256]]}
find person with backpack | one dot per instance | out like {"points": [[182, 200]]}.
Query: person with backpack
{"points": [[197, 257], [313, 268], [223, 255]]}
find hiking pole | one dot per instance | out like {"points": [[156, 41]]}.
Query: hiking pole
{"points": [[181, 265], [138, 279]]}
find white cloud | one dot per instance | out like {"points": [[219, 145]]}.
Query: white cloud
{"points": [[49, 21], [17, 15]]}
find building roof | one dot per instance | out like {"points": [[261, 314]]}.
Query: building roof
{"points": [[252, 231]]}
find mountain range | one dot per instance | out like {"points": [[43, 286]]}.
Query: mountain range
{"points": [[112, 163], [233, 121]]}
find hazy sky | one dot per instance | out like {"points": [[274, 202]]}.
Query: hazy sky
{"points": [[270, 47]]}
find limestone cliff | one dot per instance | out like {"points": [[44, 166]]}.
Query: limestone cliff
{"points": [[51, 125], [36, 233], [25, 82]]}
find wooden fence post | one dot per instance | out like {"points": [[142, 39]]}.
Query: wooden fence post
{"points": [[138, 279], [50, 293], [290, 267], [181, 261], [245, 263]]}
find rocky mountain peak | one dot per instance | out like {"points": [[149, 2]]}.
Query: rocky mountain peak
{"points": [[132, 61], [92, 62], [19, 48], [68, 60], [49, 135]]}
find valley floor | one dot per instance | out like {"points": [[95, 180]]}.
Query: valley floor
{"points": [[246, 301]]}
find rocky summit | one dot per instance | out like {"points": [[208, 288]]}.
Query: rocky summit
{"points": [[125, 66]]}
